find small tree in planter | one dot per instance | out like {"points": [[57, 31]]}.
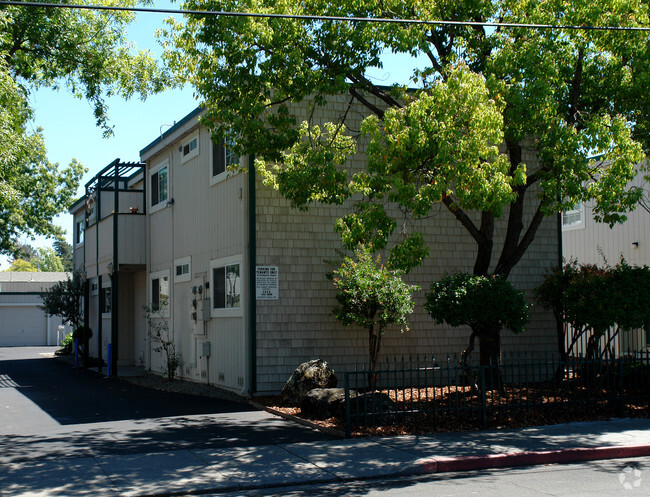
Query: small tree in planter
{"points": [[372, 297], [161, 335], [484, 303], [65, 299]]}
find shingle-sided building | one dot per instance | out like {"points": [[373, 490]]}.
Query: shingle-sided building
{"points": [[239, 275]]}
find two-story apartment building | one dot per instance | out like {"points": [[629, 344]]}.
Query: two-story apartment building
{"points": [[239, 275]]}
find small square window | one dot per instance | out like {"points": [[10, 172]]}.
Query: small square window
{"points": [[182, 269], [190, 148]]}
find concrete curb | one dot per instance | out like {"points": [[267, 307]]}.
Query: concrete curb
{"points": [[489, 461], [330, 431]]}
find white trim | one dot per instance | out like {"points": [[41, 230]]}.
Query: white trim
{"points": [[156, 276], [20, 304], [162, 204], [79, 222], [229, 311], [106, 283], [194, 152], [223, 175], [182, 262], [575, 225]]}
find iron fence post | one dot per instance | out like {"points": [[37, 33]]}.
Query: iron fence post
{"points": [[348, 421], [621, 387], [481, 381]]}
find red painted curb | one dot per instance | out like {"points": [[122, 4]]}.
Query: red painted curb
{"points": [[486, 461]]}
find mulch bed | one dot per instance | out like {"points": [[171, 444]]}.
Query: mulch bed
{"points": [[443, 422]]}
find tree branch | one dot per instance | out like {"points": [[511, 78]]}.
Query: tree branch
{"points": [[464, 219], [371, 107], [505, 264]]}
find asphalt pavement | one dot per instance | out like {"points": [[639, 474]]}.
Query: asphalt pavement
{"points": [[69, 432]]}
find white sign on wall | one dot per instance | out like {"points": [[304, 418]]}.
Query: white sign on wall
{"points": [[266, 283]]}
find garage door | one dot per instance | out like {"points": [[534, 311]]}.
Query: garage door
{"points": [[22, 326]]}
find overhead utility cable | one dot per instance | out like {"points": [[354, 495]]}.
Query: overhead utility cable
{"points": [[205, 13]]}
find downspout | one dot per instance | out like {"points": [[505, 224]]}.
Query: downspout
{"points": [[98, 218], [115, 279], [252, 255]]}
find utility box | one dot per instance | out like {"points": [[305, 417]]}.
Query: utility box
{"points": [[205, 349], [203, 310]]}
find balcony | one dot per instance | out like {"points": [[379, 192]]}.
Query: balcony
{"points": [[115, 219]]}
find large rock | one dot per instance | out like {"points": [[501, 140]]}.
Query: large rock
{"points": [[372, 409], [309, 375], [324, 403]]}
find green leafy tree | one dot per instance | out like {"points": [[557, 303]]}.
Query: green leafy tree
{"points": [[48, 260], [64, 250], [486, 102], [372, 297], [596, 299], [21, 265], [65, 299], [484, 303], [85, 51]]}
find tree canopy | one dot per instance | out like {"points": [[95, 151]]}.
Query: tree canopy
{"points": [[460, 137], [84, 51]]}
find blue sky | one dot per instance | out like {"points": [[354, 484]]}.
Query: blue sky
{"points": [[70, 131]]}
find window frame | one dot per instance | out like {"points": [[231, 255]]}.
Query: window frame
{"points": [[156, 276], [79, 232], [155, 171], [183, 261], [106, 298], [193, 152], [222, 149], [223, 263], [93, 285], [578, 208]]}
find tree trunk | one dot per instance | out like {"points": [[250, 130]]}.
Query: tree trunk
{"points": [[374, 346], [490, 354]]}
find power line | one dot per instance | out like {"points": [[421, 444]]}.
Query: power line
{"points": [[204, 13]]}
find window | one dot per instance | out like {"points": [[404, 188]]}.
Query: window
{"points": [[159, 183], [160, 292], [223, 157], [226, 285], [182, 269], [91, 211], [573, 218], [190, 148], [79, 232], [106, 300]]}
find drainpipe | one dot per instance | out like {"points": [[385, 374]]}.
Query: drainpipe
{"points": [[115, 279], [252, 303]]}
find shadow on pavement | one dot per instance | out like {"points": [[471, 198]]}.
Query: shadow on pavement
{"points": [[75, 396]]}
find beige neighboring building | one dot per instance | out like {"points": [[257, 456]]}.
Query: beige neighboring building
{"points": [[239, 276], [591, 242], [22, 323]]}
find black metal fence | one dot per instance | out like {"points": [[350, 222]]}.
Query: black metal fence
{"points": [[521, 388], [613, 343]]}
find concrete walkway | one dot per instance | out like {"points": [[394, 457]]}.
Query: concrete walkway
{"points": [[185, 471]]}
